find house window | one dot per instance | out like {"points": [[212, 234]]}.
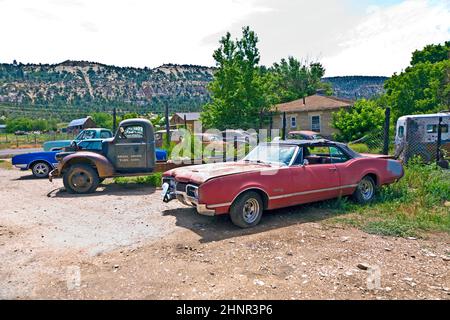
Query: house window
{"points": [[315, 123], [293, 122]]}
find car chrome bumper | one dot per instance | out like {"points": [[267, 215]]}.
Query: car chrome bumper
{"points": [[203, 210], [193, 202]]}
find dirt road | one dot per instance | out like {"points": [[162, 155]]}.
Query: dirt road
{"points": [[123, 242]]}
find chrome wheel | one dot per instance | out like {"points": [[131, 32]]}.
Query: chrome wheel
{"points": [[41, 170], [367, 189], [251, 210]]}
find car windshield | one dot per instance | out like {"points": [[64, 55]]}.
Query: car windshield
{"points": [[272, 154], [86, 134]]}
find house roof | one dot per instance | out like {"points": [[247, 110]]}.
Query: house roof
{"points": [[78, 122], [313, 103], [192, 116]]}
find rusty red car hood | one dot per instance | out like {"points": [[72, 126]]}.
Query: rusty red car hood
{"points": [[202, 173]]}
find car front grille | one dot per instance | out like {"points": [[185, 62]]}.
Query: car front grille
{"points": [[181, 186]]}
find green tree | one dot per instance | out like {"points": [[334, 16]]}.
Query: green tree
{"points": [[294, 80], [103, 120], [422, 88], [238, 90], [432, 53], [131, 115], [364, 117]]}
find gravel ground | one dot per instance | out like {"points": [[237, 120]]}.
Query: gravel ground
{"points": [[123, 242]]}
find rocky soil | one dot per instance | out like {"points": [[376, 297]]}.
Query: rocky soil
{"points": [[123, 242]]}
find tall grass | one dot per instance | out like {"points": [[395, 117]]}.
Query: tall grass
{"points": [[417, 203], [153, 180]]}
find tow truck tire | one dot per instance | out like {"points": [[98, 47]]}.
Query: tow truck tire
{"points": [[81, 179]]}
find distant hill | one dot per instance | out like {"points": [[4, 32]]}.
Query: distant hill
{"points": [[356, 87], [76, 88], [81, 87]]}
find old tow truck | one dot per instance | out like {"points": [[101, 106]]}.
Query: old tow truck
{"points": [[131, 152]]}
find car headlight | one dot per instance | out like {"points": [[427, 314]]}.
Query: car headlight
{"points": [[192, 191]]}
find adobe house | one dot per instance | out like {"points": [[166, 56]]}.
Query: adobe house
{"points": [[177, 119], [77, 125], [311, 113]]}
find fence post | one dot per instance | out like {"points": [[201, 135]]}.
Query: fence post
{"points": [[270, 125], [387, 121], [235, 146], [284, 126], [114, 119], [166, 118], [224, 149], [439, 141]]}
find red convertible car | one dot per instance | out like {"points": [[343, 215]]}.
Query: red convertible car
{"points": [[279, 174]]}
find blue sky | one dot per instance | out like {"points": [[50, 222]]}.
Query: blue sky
{"points": [[349, 37]]}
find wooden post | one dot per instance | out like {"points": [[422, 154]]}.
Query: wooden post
{"points": [[270, 125], [224, 149], [114, 119], [439, 141], [284, 126], [235, 145], [185, 122], [387, 121], [166, 118]]}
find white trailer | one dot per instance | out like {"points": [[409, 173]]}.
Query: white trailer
{"points": [[417, 135]]}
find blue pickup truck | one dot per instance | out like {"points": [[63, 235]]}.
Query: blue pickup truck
{"points": [[87, 134], [41, 163]]}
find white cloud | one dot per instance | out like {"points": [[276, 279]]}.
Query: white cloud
{"points": [[137, 33], [149, 33], [383, 43]]}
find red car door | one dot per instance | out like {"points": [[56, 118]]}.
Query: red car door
{"points": [[317, 180]]}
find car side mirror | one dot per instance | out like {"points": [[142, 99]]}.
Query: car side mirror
{"points": [[305, 162]]}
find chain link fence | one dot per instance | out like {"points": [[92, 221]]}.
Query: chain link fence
{"points": [[10, 140], [424, 137]]}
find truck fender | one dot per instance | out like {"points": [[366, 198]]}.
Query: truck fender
{"points": [[104, 167]]}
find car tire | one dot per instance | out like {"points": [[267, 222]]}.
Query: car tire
{"points": [[365, 191], [246, 211], [40, 169], [81, 179]]}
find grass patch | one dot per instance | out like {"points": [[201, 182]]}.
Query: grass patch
{"points": [[416, 204], [4, 164], [153, 180]]}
